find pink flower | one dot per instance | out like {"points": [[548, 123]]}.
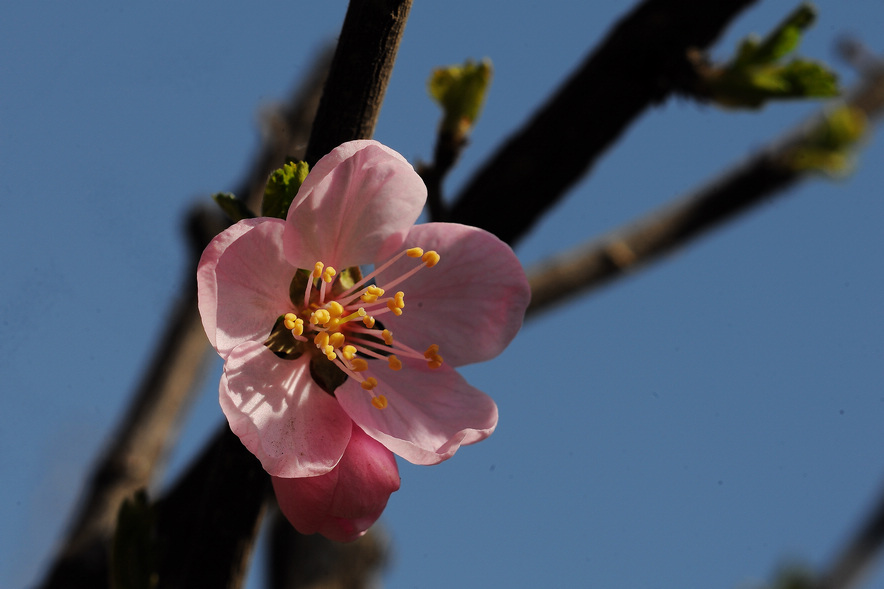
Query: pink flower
{"points": [[310, 348], [346, 501]]}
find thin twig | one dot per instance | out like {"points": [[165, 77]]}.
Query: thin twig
{"points": [[640, 63], [676, 224]]}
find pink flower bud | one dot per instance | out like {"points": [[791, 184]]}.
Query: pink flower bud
{"points": [[343, 503]]}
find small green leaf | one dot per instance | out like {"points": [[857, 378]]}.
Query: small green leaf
{"points": [[134, 553], [755, 75], [281, 189], [781, 41], [460, 90], [232, 206]]}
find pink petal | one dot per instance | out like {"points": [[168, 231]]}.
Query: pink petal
{"points": [[281, 415], [430, 413], [342, 504], [355, 199], [243, 283], [471, 303]]}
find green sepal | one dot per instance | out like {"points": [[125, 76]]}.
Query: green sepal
{"points": [[282, 343], [134, 551], [754, 76], [281, 189], [460, 90], [326, 374], [232, 206]]}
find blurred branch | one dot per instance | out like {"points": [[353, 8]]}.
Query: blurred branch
{"points": [[860, 552], [209, 521], [360, 72], [770, 172], [135, 450], [296, 561], [640, 63]]}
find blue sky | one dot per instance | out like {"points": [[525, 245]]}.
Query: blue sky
{"points": [[701, 422]]}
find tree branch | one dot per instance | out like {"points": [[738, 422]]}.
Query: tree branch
{"points": [[676, 224], [640, 63], [360, 72]]}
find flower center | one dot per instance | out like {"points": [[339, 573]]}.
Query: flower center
{"points": [[343, 327]]}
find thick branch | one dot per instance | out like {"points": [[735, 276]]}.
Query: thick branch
{"points": [[360, 72], [208, 522], [675, 225], [640, 62]]}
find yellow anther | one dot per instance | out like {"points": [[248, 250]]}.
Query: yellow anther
{"points": [[358, 364], [298, 329], [434, 360], [336, 340], [348, 352], [414, 252], [431, 258], [369, 383], [368, 321], [371, 294], [394, 362], [335, 309], [391, 304], [379, 402], [321, 340], [289, 320], [388, 337], [320, 317], [328, 274], [400, 299], [317, 269], [361, 312], [331, 355]]}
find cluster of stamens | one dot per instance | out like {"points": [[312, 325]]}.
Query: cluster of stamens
{"points": [[343, 328]]}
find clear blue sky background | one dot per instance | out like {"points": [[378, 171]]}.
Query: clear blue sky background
{"points": [[695, 425]]}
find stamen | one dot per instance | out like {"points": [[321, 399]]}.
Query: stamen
{"points": [[358, 364], [369, 383], [328, 276], [368, 321], [320, 316], [388, 337], [317, 272], [335, 309], [336, 340], [321, 340], [289, 320], [394, 363], [431, 258], [348, 352], [379, 402], [414, 252]]}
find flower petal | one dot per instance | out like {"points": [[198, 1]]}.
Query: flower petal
{"points": [[243, 283], [430, 413], [342, 504], [471, 303], [281, 415], [354, 200]]}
